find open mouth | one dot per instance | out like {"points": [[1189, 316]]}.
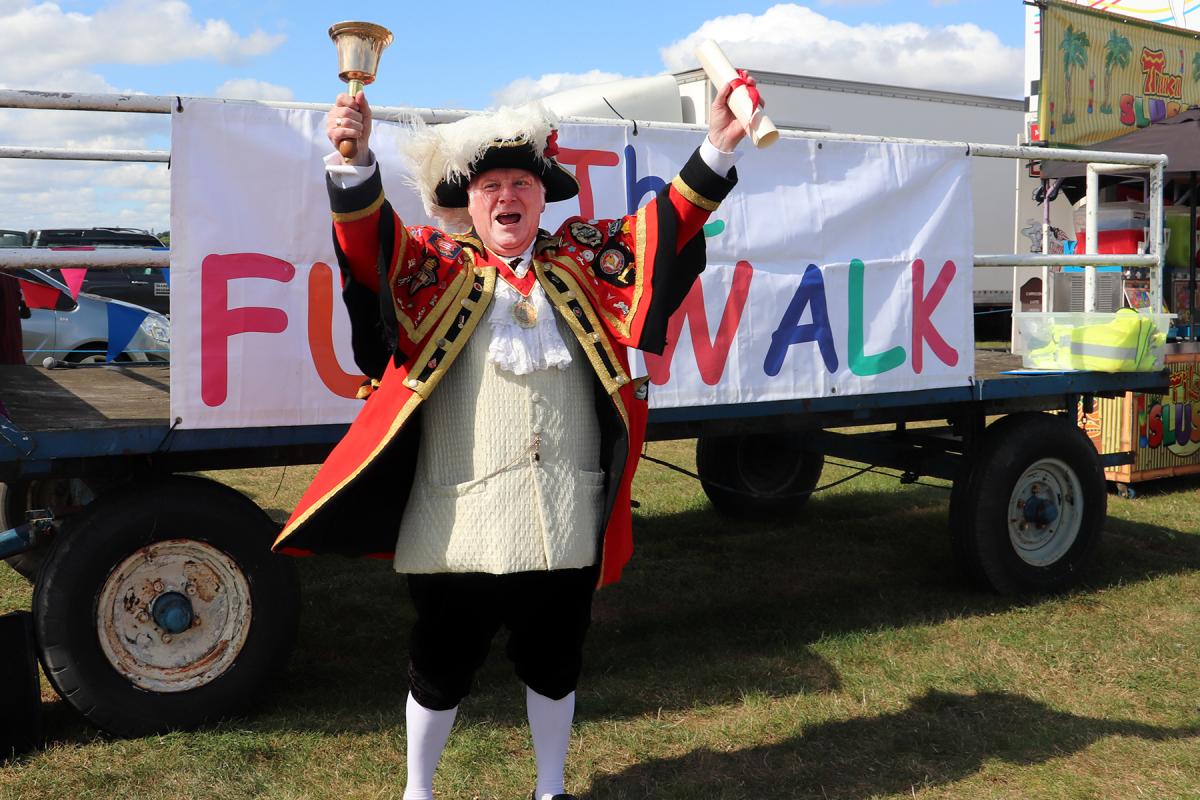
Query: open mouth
{"points": [[508, 219]]}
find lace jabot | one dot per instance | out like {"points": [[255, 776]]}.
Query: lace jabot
{"points": [[524, 350]]}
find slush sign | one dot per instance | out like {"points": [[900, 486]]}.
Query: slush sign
{"points": [[1173, 420]]}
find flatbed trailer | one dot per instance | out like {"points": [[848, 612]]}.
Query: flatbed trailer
{"points": [[139, 568], [158, 605], [109, 425]]}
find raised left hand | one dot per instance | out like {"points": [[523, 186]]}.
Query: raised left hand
{"points": [[724, 129]]}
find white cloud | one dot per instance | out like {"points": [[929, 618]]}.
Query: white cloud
{"points": [[49, 48], [795, 39], [82, 194], [90, 130], [251, 89], [42, 40], [525, 89]]}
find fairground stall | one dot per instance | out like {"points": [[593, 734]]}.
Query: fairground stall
{"points": [[1112, 83]]}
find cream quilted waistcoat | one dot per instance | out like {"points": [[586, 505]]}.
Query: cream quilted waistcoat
{"points": [[508, 472]]}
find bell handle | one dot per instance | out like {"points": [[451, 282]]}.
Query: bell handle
{"points": [[349, 147]]}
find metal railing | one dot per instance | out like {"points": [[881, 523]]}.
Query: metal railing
{"points": [[1099, 162]]}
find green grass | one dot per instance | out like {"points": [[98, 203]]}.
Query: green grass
{"points": [[841, 656]]}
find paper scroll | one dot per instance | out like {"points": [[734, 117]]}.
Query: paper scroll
{"points": [[758, 125]]}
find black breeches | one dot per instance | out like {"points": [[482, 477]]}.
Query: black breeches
{"points": [[547, 615]]}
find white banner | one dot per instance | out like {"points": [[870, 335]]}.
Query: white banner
{"points": [[833, 268]]}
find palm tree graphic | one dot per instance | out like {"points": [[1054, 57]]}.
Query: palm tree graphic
{"points": [[1117, 52], [1075, 54]]}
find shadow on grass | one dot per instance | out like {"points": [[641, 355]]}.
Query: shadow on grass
{"points": [[939, 739], [706, 613], [703, 615]]}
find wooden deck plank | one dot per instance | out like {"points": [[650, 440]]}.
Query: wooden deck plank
{"points": [[990, 364], [98, 397], [86, 397]]}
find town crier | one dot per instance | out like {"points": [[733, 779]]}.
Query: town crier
{"points": [[493, 456]]}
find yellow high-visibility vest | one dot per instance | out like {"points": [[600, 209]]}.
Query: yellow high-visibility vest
{"points": [[1128, 343]]}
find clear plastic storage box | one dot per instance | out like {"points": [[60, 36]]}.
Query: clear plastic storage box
{"points": [[1123, 341]]}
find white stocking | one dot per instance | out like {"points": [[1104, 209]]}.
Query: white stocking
{"points": [[550, 727], [427, 732]]}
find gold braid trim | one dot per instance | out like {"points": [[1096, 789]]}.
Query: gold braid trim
{"points": [[417, 332], [565, 265], [355, 216], [454, 348], [611, 383], [397, 423], [401, 246], [692, 196], [622, 326]]}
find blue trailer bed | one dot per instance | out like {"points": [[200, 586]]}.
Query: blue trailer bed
{"points": [[78, 421]]}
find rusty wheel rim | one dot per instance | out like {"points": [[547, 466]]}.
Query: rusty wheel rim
{"points": [[174, 615]]}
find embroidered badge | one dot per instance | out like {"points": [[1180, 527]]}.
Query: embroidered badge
{"points": [[588, 255], [587, 234], [425, 276], [621, 307], [612, 261], [447, 247], [614, 228]]}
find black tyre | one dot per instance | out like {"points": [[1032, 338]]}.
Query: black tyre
{"points": [[20, 695], [61, 496], [759, 476], [161, 607], [95, 353], [1031, 512]]}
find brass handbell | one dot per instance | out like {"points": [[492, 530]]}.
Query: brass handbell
{"points": [[360, 46]]}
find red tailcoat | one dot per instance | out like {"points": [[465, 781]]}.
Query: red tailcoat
{"points": [[416, 294]]}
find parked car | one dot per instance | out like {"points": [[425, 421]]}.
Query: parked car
{"points": [[76, 331], [13, 239], [143, 286]]}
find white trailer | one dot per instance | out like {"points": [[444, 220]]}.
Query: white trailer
{"points": [[798, 102]]}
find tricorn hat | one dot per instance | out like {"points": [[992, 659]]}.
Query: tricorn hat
{"points": [[444, 158]]}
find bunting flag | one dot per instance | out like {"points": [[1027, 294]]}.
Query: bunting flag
{"points": [[38, 295], [74, 278], [123, 322]]}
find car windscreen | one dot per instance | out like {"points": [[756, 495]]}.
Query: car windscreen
{"points": [[12, 239], [95, 237]]}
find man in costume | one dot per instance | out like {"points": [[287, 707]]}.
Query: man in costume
{"points": [[493, 462]]}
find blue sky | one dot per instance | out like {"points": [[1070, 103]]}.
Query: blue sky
{"points": [[465, 54], [428, 66]]}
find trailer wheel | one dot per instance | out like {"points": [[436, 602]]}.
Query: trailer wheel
{"points": [[63, 496], [20, 694], [161, 607], [757, 476], [1032, 511]]}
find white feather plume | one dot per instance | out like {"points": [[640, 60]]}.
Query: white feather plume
{"points": [[445, 152]]}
